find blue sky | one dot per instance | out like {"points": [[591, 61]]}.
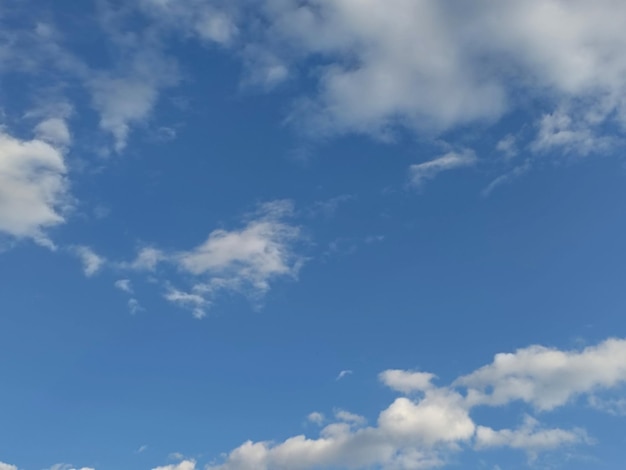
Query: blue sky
{"points": [[321, 234]]}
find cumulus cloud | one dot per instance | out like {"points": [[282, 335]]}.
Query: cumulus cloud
{"points": [[407, 381], [242, 260], [422, 172], [546, 377], [468, 61], [423, 431], [245, 260], [6, 466], [54, 131], [184, 465], [529, 437], [65, 466], [33, 187]]}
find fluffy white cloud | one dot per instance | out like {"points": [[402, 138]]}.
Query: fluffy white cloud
{"points": [[6, 466], [528, 437], [545, 377], [466, 61], [33, 187], [254, 254], [405, 438], [422, 172], [243, 260], [407, 381], [421, 432], [184, 465], [54, 131]]}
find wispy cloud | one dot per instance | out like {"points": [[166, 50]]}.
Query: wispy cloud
{"points": [[124, 285], [422, 172], [506, 178], [343, 374], [92, 262]]}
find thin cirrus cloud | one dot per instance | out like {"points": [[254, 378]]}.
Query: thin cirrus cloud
{"points": [[429, 423], [420, 173]]}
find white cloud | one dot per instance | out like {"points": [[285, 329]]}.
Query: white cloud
{"points": [[423, 431], [33, 187], [244, 261], [559, 131], [65, 466], [469, 60], [184, 465], [195, 17], [547, 378], [407, 381], [403, 439], [92, 262], [147, 259], [195, 302], [528, 437], [347, 417], [506, 178], [372, 80], [254, 254], [508, 146], [613, 406], [344, 373], [316, 417], [124, 285], [422, 172], [263, 68], [54, 131], [6, 466], [128, 98]]}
